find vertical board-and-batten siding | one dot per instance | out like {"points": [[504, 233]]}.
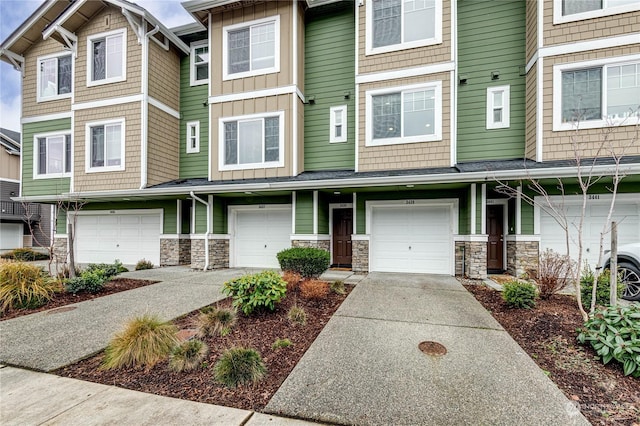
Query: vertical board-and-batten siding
{"points": [[330, 73], [491, 37]]}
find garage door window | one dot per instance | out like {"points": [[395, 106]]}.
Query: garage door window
{"points": [[105, 146], [53, 155]]}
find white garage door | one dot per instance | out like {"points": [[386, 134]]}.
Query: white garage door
{"points": [[411, 239], [259, 234], [627, 215], [122, 236], [10, 236]]}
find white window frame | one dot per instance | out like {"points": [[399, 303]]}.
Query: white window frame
{"points": [[225, 44], [342, 109], [559, 18], [90, 39], [506, 107], [370, 50], [192, 63], [87, 150], [36, 155], [265, 165], [558, 125], [436, 136], [190, 125], [39, 97]]}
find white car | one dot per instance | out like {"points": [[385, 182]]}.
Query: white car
{"points": [[628, 269]]}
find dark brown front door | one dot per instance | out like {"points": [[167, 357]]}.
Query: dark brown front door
{"points": [[495, 220], [342, 230]]}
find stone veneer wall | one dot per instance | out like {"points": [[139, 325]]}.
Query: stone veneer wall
{"points": [[60, 250], [175, 251], [218, 254], [360, 256], [475, 253], [522, 256], [197, 253], [322, 244], [459, 257]]}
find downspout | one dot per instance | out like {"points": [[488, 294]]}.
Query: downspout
{"points": [[206, 236], [144, 131]]}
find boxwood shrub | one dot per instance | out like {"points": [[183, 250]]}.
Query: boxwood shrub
{"points": [[307, 261], [261, 290]]}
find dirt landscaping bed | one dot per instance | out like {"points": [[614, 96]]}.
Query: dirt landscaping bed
{"points": [[548, 334], [259, 331]]}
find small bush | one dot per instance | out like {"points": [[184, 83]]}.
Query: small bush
{"points": [[309, 262], [24, 286], [519, 294], [297, 315], [314, 289], [88, 282], [250, 292], [554, 273], [614, 333], [281, 344], [292, 279], [188, 355], [144, 264], [215, 321], [239, 366], [338, 287], [602, 292], [108, 270], [25, 255], [143, 342]]}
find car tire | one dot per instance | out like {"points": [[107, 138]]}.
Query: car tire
{"points": [[630, 277]]}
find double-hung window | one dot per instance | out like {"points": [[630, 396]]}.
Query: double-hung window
{"points": [[575, 10], [193, 137], [597, 94], [338, 124], [199, 63], [107, 53], [255, 141], [405, 115], [498, 104], [403, 24], [105, 146], [52, 155], [251, 48], [54, 77]]}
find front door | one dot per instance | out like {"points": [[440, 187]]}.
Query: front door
{"points": [[342, 230], [495, 220]]}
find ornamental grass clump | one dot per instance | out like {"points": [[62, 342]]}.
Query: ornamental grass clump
{"points": [[144, 341], [314, 289], [519, 294], [239, 366], [188, 355], [24, 286], [144, 264], [297, 315], [216, 321], [338, 287], [281, 344]]}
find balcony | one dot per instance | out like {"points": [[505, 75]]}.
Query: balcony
{"points": [[12, 210]]}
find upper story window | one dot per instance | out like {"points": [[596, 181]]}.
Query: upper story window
{"points": [[193, 137], [253, 141], [498, 104], [251, 48], [52, 155], [404, 115], [105, 146], [403, 24], [107, 57], [54, 77], [596, 94], [199, 63], [338, 124], [575, 10]]}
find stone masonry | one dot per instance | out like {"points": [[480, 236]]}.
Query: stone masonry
{"points": [[60, 250], [476, 259], [360, 256], [459, 257], [522, 256], [197, 253], [321, 244], [175, 251], [218, 254]]}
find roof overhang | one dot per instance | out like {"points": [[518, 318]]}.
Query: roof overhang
{"points": [[199, 9]]}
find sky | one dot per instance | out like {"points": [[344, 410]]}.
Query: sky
{"points": [[14, 12]]}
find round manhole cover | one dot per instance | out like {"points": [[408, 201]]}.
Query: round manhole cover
{"points": [[432, 348], [63, 309]]}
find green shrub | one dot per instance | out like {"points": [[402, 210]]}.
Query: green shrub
{"points": [[307, 261], [25, 255], [24, 286], [239, 366], [87, 282], [614, 333], [297, 315], [215, 321], [249, 292], [108, 270], [187, 355], [338, 287], [519, 294], [144, 264], [143, 342], [602, 292], [281, 344]]}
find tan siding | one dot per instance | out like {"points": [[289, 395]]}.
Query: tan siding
{"points": [[30, 105], [132, 85], [607, 26], [246, 14], [558, 145], [126, 179], [9, 165], [246, 107], [164, 75], [405, 58], [412, 155], [164, 146], [301, 46], [532, 28], [530, 116]]}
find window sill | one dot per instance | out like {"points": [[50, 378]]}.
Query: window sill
{"points": [[497, 126], [405, 140], [52, 176], [199, 82], [245, 74], [53, 98], [402, 46], [253, 166], [595, 124], [338, 141], [104, 169], [106, 81]]}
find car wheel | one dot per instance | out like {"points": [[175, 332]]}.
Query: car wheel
{"points": [[630, 276]]}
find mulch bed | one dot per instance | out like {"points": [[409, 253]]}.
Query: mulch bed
{"points": [[116, 285], [548, 334], [259, 331]]}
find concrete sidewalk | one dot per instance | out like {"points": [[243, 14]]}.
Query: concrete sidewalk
{"points": [[365, 367]]}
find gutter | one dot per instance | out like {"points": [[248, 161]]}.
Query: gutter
{"points": [[206, 236]]}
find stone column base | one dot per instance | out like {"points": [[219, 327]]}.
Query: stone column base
{"points": [[360, 255], [197, 253], [218, 253], [522, 256], [471, 256], [175, 251], [60, 249]]}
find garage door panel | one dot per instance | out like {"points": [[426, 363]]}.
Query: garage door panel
{"points": [[259, 235]]}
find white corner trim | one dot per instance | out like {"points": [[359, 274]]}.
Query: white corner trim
{"points": [[293, 211], [519, 210], [106, 102], [46, 117], [241, 96], [164, 107], [539, 108], [483, 209], [315, 212], [405, 73], [473, 208]]}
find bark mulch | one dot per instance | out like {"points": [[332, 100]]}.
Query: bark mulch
{"points": [[258, 331], [548, 334]]}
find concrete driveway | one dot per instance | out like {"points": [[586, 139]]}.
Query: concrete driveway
{"points": [[366, 368]]}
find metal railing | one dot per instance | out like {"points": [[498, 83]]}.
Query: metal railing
{"points": [[17, 210]]}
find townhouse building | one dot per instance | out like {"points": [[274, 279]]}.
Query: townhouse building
{"points": [[380, 130]]}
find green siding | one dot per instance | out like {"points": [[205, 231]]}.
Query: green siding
{"points": [[329, 73], [526, 218], [323, 213], [61, 222], [219, 216], [201, 217], [491, 37], [169, 208], [193, 108], [221, 204], [30, 186], [304, 212]]}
